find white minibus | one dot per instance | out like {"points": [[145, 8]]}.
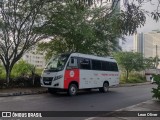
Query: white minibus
{"points": [[75, 71]]}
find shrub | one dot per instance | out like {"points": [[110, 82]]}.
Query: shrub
{"points": [[156, 91], [21, 68], [136, 78], [38, 71], [21, 82], [22, 76], [133, 78]]}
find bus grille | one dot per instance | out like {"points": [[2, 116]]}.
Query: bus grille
{"points": [[47, 80]]}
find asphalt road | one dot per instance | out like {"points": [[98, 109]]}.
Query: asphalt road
{"points": [[116, 98]]}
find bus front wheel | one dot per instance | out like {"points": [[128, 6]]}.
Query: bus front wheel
{"points": [[105, 87], [72, 90]]}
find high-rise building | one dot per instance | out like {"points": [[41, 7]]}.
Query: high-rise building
{"points": [[146, 43], [138, 42]]}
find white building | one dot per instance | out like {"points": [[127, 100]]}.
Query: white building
{"points": [[146, 43], [138, 42], [35, 58]]}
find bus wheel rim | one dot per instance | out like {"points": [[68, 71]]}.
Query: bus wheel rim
{"points": [[106, 87], [73, 90]]}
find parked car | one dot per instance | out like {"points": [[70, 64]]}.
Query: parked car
{"points": [[152, 80]]}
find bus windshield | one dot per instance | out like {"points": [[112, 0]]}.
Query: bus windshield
{"points": [[57, 63]]}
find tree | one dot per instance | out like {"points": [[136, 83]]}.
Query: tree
{"points": [[18, 18], [77, 27], [129, 61], [151, 62], [156, 91]]}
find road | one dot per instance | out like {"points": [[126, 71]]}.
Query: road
{"points": [[116, 98]]}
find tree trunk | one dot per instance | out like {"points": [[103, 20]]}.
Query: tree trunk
{"points": [[8, 69], [8, 74], [127, 72], [33, 76]]}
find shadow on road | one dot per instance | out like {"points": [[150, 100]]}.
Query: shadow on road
{"points": [[84, 93]]}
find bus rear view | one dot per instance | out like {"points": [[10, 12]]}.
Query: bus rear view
{"points": [[76, 71]]}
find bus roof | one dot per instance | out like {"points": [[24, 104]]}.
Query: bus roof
{"points": [[107, 58]]}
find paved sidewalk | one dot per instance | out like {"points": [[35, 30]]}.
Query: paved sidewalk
{"points": [[22, 91]]}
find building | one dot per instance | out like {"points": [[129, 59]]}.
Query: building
{"points": [[35, 58], [138, 42], [114, 4], [146, 43]]}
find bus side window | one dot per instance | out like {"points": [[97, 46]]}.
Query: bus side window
{"points": [[113, 66], [85, 64]]}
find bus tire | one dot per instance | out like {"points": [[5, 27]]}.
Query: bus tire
{"points": [[105, 87], [51, 91], [72, 89]]}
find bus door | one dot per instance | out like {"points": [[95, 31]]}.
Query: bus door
{"points": [[71, 72]]}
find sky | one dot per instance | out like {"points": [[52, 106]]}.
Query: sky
{"points": [[148, 27]]}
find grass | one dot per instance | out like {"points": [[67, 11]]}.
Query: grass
{"points": [[133, 78]]}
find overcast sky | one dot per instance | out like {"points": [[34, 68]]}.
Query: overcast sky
{"points": [[148, 27]]}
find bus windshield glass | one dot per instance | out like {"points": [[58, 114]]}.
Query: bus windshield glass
{"points": [[57, 63]]}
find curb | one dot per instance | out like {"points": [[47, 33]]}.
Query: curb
{"points": [[22, 93], [134, 84], [131, 84]]}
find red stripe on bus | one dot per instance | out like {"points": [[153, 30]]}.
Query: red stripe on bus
{"points": [[71, 75]]}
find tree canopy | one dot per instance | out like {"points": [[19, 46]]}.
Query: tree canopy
{"points": [[129, 61], [77, 27], [18, 18], [87, 26]]}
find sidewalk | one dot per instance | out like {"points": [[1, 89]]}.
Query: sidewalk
{"points": [[149, 107], [22, 91]]}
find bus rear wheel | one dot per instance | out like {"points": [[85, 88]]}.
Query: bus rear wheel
{"points": [[105, 87], [72, 90]]}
